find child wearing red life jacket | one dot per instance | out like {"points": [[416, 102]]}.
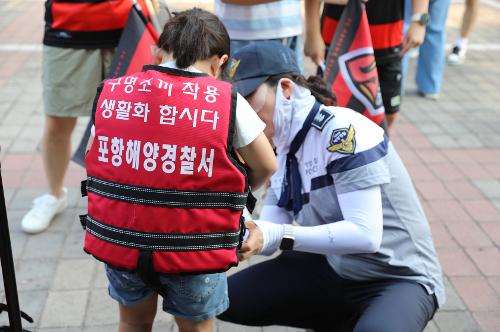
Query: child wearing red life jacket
{"points": [[165, 189]]}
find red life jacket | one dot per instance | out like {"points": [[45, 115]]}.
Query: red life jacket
{"points": [[162, 180], [86, 23]]}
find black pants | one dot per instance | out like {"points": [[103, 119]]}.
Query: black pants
{"points": [[301, 290]]}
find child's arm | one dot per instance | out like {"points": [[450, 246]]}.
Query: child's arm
{"points": [[260, 160]]}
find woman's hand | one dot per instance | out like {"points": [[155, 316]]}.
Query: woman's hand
{"points": [[254, 243]]}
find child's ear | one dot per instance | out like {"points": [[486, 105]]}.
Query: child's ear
{"points": [[159, 55], [216, 64]]}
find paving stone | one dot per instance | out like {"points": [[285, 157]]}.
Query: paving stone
{"points": [[106, 328], [64, 309], [72, 274], [482, 210], [431, 327], [444, 141], [35, 274], [100, 281], [487, 259], [23, 199], [476, 293], [446, 171], [463, 190], [450, 211], [490, 188], [495, 283], [453, 300], [456, 321], [63, 329], [455, 262], [73, 245], [229, 327], [275, 328], [489, 321], [442, 237], [433, 191], [44, 245], [469, 234], [102, 309], [493, 231]]}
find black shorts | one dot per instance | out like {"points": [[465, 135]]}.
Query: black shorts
{"points": [[390, 78]]}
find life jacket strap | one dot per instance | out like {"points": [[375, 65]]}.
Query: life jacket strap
{"points": [[147, 274], [161, 241], [166, 197]]}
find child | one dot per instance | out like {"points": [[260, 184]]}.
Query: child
{"points": [[165, 191]]}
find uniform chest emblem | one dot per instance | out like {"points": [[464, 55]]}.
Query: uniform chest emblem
{"points": [[343, 141]]}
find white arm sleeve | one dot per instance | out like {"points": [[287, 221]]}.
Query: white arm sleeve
{"points": [[359, 232]]}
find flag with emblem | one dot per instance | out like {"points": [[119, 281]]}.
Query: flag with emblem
{"points": [[133, 52], [350, 68]]}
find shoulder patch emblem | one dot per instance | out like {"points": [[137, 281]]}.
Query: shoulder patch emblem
{"points": [[321, 119], [343, 141]]}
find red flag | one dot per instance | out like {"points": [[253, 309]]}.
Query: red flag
{"points": [[133, 52], [351, 70], [134, 49]]}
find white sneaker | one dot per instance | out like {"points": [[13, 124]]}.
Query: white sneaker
{"points": [[431, 96], [43, 211], [457, 56]]}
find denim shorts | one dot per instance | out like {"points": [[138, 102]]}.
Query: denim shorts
{"points": [[194, 297]]}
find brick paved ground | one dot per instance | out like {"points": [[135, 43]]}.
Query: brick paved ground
{"points": [[451, 148]]}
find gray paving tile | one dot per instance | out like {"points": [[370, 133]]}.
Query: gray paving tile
{"points": [[229, 327], [64, 309], [105, 328], [44, 245], [453, 300], [100, 281], [73, 245], [275, 328], [72, 274], [490, 188], [63, 329], [431, 327], [456, 321], [101, 310], [23, 198], [443, 141], [35, 274]]}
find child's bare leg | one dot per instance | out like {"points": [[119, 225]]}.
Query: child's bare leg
{"points": [[190, 326], [138, 317]]}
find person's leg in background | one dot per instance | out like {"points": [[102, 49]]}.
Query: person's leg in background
{"points": [[430, 64], [430, 59], [457, 55], [70, 78], [390, 78]]}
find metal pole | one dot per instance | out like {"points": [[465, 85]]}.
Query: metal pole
{"points": [[9, 276]]}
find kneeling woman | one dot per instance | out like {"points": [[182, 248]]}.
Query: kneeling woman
{"points": [[361, 257]]}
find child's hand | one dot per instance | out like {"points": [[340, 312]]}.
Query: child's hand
{"points": [[254, 242]]}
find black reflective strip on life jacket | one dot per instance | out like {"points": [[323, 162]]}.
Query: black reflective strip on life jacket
{"points": [[162, 241], [166, 197]]}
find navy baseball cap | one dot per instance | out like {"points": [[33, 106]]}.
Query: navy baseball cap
{"points": [[258, 61]]}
